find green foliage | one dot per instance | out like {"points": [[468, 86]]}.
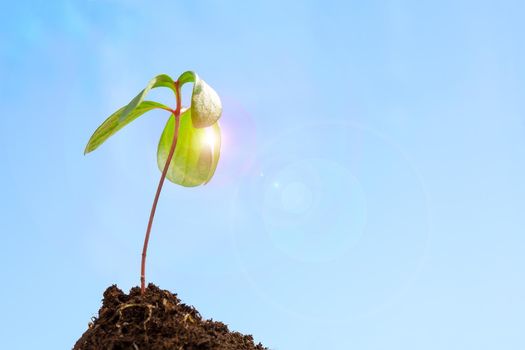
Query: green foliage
{"points": [[115, 122], [196, 155], [160, 80], [199, 139], [206, 105]]}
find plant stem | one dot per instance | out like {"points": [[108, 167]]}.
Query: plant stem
{"points": [[176, 114]]}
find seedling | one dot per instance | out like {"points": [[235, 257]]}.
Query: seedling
{"points": [[195, 130]]}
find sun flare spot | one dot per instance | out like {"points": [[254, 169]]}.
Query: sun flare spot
{"points": [[209, 137]]}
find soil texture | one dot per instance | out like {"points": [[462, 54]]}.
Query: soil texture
{"points": [[156, 320]]}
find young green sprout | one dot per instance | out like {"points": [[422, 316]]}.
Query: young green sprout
{"points": [[189, 147]]}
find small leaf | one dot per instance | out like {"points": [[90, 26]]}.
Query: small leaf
{"points": [[196, 154], [160, 80], [206, 107], [114, 123]]}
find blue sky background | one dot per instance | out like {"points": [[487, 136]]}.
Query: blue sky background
{"points": [[370, 193]]}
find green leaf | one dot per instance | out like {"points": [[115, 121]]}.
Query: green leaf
{"points": [[206, 107], [115, 122], [160, 80], [196, 154]]}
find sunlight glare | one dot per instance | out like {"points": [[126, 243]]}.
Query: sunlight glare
{"points": [[209, 138]]}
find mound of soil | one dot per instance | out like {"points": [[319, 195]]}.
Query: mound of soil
{"points": [[156, 321]]}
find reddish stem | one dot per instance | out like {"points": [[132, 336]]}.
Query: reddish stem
{"points": [[176, 114]]}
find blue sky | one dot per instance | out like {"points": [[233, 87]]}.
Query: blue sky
{"points": [[370, 193]]}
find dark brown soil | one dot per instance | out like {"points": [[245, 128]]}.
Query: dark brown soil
{"points": [[156, 321]]}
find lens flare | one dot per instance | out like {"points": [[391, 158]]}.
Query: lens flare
{"points": [[209, 137], [341, 210]]}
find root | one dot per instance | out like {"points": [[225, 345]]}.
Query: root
{"points": [[188, 317], [123, 307], [127, 306]]}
